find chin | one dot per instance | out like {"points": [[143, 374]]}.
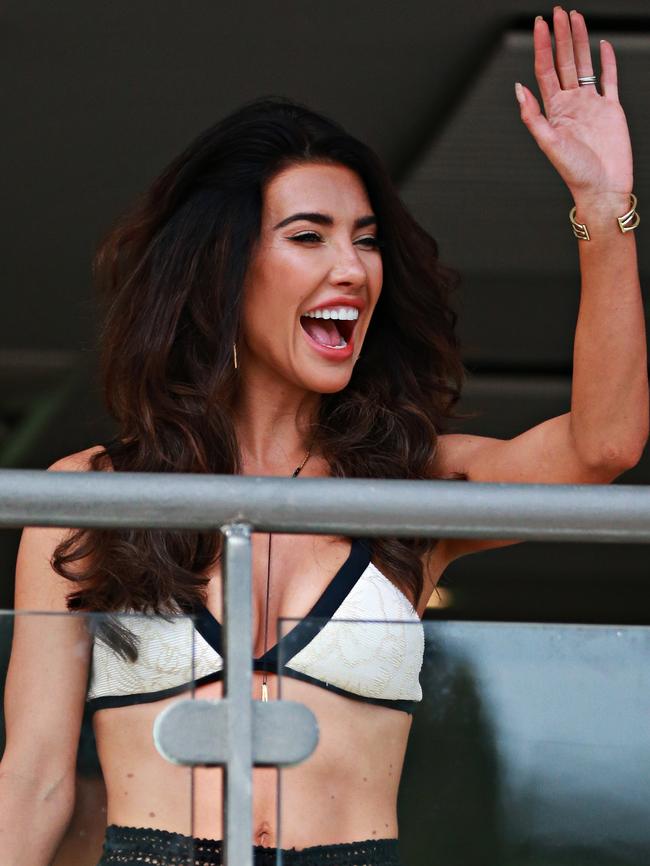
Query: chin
{"points": [[328, 383]]}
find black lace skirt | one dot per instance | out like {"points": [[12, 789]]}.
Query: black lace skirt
{"points": [[134, 846]]}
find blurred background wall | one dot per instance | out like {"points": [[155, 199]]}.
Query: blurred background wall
{"points": [[97, 98]]}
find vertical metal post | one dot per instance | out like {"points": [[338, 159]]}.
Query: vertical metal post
{"points": [[238, 678]]}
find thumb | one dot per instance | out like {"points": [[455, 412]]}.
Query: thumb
{"points": [[532, 116]]}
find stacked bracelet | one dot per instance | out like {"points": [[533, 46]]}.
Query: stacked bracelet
{"points": [[626, 223]]}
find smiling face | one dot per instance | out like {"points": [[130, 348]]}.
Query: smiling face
{"points": [[314, 279]]}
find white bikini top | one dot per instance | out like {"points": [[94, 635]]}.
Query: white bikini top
{"points": [[362, 639]]}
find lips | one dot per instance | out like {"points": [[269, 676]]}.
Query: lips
{"points": [[329, 326]]}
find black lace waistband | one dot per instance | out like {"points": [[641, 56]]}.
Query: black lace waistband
{"points": [[133, 846]]}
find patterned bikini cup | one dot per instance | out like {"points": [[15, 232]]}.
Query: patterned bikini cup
{"points": [[362, 639], [134, 846]]}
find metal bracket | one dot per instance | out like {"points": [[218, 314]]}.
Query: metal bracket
{"points": [[194, 732]]}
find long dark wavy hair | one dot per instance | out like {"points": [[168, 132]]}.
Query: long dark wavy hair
{"points": [[171, 272]]}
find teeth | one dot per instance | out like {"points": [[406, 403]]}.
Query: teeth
{"points": [[347, 313]]}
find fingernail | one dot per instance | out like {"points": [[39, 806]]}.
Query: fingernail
{"points": [[519, 93], [539, 18], [556, 8]]}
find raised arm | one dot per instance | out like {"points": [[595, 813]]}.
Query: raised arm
{"points": [[584, 134], [44, 699]]}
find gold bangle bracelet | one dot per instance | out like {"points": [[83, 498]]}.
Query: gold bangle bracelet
{"points": [[627, 223], [580, 230], [630, 220]]}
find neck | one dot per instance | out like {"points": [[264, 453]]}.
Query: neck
{"points": [[272, 421]]}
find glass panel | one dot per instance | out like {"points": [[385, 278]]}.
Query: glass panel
{"points": [[360, 680], [530, 747], [81, 694]]}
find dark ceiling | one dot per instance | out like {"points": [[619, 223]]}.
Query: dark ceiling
{"points": [[98, 97]]}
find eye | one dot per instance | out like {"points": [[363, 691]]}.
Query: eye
{"points": [[313, 237], [371, 241], [306, 237]]}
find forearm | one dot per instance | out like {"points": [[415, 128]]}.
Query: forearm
{"points": [[33, 818], [609, 397]]}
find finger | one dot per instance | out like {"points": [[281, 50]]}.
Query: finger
{"points": [[565, 61], [545, 73], [581, 48], [608, 72], [532, 116]]}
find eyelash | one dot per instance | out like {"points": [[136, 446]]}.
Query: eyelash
{"points": [[314, 236]]}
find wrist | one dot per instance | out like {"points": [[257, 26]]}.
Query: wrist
{"points": [[601, 205], [603, 213]]}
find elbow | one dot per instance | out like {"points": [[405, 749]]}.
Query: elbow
{"points": [[616, 458], [611, 455]]}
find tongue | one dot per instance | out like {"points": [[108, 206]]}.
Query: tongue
{"points": [[323, 331]]}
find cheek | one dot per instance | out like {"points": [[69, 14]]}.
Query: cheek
{"points": [[375, 281], [294, 271], [278, 286], [262, 324], [271, 297]]}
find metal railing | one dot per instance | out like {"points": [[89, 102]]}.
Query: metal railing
{"points": [[542, 512], [238, 732]]}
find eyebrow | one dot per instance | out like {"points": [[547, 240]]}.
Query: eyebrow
{"points": [[325, 220]]}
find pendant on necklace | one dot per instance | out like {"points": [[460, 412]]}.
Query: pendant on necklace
{"points": [[265, 692]]}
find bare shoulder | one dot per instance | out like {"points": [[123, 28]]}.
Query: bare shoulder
{"points": [[80, 461], [543, 454], [38, 586], [456, 452], [473, 458]]}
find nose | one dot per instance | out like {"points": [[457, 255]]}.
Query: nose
{"points": [[348, 268]]}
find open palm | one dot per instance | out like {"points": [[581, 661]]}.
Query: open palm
{"points": [[584, 134]]}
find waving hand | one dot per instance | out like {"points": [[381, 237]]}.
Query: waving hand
{"points": [[582, 132]]}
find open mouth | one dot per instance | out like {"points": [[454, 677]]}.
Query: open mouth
{"points": [[330, 327]]}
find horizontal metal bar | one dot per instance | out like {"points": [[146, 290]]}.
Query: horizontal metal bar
{"points": [[550, 512], [194, 733]]}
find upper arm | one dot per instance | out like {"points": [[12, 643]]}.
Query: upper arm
{"points": [[544, 454], [47, 677]]}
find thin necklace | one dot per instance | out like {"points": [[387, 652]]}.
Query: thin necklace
{"points": [[265, 690]]}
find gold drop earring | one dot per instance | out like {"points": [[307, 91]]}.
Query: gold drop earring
{"points": [[234, 356]]}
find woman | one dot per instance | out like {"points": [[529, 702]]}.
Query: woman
{"points": [[274, 310]]}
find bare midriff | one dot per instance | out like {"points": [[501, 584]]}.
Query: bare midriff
{"points": [[345, 791]]}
